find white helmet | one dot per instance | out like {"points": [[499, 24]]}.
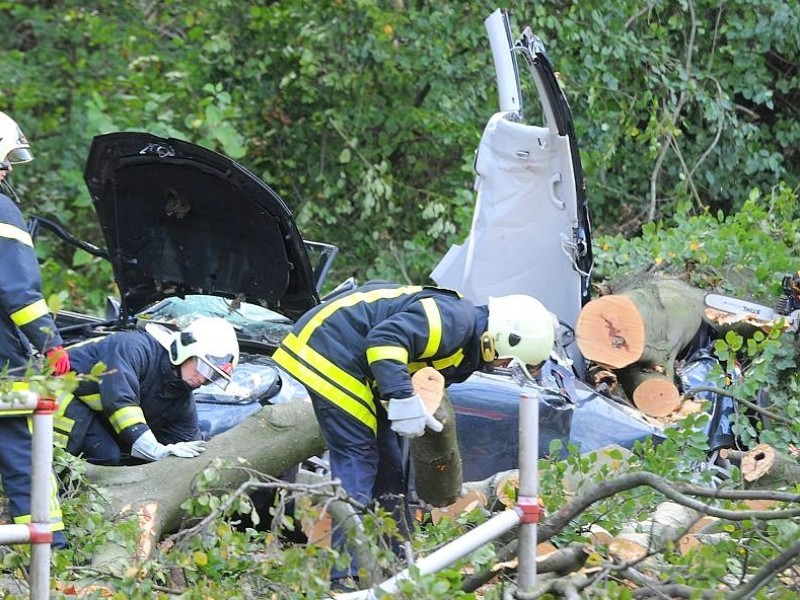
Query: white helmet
{"points": [[211, 339], [14, 147], [521, 328]]}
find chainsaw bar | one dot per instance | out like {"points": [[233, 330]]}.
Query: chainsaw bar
{"points": [[737, 306]]}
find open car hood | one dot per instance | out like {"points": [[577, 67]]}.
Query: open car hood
{"points": [[180, 219]]}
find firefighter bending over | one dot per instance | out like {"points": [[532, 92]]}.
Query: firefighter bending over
{"points": [[142, 405], [358, 350]]}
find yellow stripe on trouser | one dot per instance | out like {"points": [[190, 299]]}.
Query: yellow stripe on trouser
{"points": [[62, 425], [15, 233], [361, 407], [126, 417], [33, 311], [434, 327], [56, 517]]}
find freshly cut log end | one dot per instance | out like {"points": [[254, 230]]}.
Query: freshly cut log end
{"points": [[610, 331], [657, 397], [758, 462]]}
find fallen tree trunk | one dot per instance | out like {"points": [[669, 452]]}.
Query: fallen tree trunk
{"points": [[271, 441], [648, 323], [764, 467]]}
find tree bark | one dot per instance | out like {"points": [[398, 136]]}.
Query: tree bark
{"points": [[648, 323], [271, 441]]}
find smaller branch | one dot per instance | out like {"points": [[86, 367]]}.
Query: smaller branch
{"points": [[752, 406], [772, 568]]}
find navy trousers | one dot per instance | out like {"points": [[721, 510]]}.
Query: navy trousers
{"points": [[15, 470], [370, 467]]}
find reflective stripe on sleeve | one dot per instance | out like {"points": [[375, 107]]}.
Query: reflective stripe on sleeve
{"points": [[448, 361], [15, 233], [30, 313], [377, 353], [92, 401], [127, 416]]}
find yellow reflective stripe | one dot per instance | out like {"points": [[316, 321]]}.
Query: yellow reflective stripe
{"points": [[15, 233], [336, 374], [125, 417], [351, 299], [448, 361], [60, 439], [23, 316], [434, 327], [63, 424], [327, 389], [387, 353], [93, 401]]}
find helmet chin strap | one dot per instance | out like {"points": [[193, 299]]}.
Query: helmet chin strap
{"points": [[6, 185]]}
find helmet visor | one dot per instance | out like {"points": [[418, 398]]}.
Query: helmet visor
{"points": [[19, 155], [217, 369]]}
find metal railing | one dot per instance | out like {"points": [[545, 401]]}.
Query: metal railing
{"points": [[37, 533]]}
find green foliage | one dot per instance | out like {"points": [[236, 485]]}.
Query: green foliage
{"points": [[365, 115]]}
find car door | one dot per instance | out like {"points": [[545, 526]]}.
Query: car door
{"points": [[530, 231]]}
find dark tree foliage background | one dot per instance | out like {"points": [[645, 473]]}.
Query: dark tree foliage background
{"points": [[365, 115]]}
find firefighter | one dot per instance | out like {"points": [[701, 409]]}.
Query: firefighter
{"points": [[26, 322], [142, 403], [356, 353]]}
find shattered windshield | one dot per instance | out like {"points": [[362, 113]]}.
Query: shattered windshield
{"points": [[252, 322]]}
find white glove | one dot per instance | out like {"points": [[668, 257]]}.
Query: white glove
{"points": [[409, 417], [147, 447]]}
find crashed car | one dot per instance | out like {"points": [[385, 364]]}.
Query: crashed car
{"points": [[192, 233]]}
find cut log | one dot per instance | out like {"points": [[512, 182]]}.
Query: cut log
{"points": [[436, 457], [500, 489], [669, 522], [763, 466], [650, 390], [270, 441], [648, 323], [429, 384]]}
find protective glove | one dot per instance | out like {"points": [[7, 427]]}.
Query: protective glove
{"points": [[147, 447], [409, 417], [58, 359]]}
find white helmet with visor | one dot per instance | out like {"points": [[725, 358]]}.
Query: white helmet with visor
{"points": [[212, 340]]}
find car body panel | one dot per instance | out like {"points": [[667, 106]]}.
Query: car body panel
{"points": [[178, 218]]}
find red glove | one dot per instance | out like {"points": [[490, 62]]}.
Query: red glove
{"points": [[58, 359]]}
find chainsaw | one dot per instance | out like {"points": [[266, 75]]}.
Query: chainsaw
{"points": [[787, 308]]}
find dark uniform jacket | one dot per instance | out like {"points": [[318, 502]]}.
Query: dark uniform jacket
{"points": [[23, 310], [25, 320], [140, 389], [369, 341]]}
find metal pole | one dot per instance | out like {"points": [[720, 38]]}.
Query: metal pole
{"points": [[41, 475], [528, 498], [446, 555]]}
